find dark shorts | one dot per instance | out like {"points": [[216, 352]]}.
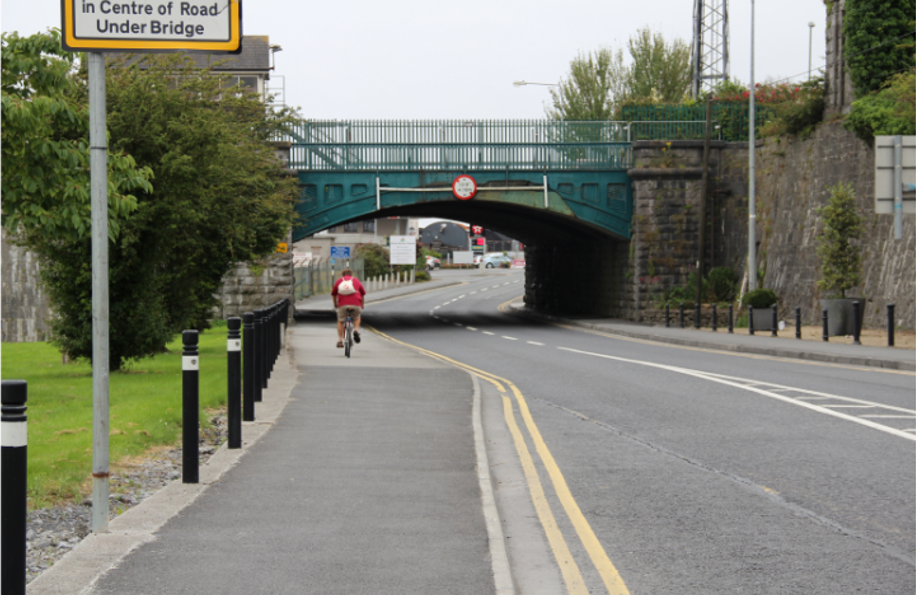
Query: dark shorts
{"points": [[342, 312]]}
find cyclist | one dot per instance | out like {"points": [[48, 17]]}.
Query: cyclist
{"points": [[348, 294]]}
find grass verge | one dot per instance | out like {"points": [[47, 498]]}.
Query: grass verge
{"points": [[144, 409]]}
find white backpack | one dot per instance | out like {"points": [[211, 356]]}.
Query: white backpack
{"points": [[347, 286]]}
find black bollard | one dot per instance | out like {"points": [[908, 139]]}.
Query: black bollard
{"points": [[731, 318], [190, 412], [258, 356], [775, 322], [13, 488], [234, 375], [681, 313], [798, 323], [715, 318], [826, 332], [696, 315], [667, 316], [248, 376], [890, 325], [750, 320], [856, 323]]}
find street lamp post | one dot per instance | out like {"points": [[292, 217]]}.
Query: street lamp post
{"points": [[810, 33], [752, 198]]}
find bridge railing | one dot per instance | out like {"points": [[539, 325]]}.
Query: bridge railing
{"points": [[451, 144]]}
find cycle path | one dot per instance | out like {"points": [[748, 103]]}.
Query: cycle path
{"points": [[367, 482]]}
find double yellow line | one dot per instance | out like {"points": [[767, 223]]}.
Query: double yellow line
{"points": [[569, 569]]}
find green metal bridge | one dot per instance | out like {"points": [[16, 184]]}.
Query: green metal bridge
{"points": [[536, 179]]}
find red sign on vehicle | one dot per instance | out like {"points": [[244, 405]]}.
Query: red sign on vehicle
{"points": [[464, 187]]}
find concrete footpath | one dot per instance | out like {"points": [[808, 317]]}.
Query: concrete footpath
{"points": [[361, 475], [366, 483]]}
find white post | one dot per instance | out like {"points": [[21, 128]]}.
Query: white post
{"points": [[898, 187], [546, 203], [98, 167]]}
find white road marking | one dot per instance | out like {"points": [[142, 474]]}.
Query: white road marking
{"points": [[460, 296], [752, 385], [876, 416], [510, 338], [488, 333], [457, 324], [470, 328], [535, 343]]}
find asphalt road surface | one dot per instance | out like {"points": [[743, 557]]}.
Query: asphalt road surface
{"points": [[624, 466]]}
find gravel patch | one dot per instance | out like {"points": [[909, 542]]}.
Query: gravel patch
{"points": [[52, 532]]}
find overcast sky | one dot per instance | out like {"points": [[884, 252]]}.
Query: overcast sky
{"points": [[412, 59]]}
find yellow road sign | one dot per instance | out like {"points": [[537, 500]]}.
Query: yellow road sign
{"points": [[152, 25]]}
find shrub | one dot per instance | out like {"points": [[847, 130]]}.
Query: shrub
{"points": [[422, 275], [760, 298], [376, 258], [890, 111], [840, 260], [800, 112], [722, 284]]}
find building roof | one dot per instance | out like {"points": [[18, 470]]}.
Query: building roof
{"points": [[255, 56]]}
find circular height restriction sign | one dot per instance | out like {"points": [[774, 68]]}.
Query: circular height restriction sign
{"points": [[464, 187]]}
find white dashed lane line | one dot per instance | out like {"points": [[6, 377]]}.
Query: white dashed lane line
{"points": [[509, 338], [535, 343], [470, 328], [488, 333]]}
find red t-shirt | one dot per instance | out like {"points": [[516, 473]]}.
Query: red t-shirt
{"points": [[353, 299]]}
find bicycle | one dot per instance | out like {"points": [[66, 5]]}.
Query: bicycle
{"points": [[348, 332]]}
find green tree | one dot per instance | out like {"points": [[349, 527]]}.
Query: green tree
{"points": [[659, 70], [45, 147], [840, 260], [220, 198], [877, 41], [593, 90]]}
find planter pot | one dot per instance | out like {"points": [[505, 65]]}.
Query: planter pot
{"points": [[840, 316], [763, 319]]}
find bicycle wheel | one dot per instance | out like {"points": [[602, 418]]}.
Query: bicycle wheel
{"points": [[348, 337]]}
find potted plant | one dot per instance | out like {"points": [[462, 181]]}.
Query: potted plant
{"points": [[762, 301], [841, 265]]}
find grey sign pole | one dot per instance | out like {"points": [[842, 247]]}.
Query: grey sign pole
{"points": [[98, 168]]}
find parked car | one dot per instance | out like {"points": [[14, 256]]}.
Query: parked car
{"points": [[432, 263], [495, 261], [477, 259]]}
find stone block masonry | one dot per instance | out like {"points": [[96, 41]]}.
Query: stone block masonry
{"points": [[628, 280], [25, 306], [793, 180], [251, 287]]}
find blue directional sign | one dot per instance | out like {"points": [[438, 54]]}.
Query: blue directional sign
{"points": [[340, 252]]}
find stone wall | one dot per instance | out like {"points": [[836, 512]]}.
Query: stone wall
{"points": [[667, 181], [25, 306], [793, 178], [249, 288]]}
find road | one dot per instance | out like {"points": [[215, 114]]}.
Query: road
{"points": [[624, 466]]}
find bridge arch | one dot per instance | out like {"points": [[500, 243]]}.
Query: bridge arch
{"points": [[561, 188]]}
